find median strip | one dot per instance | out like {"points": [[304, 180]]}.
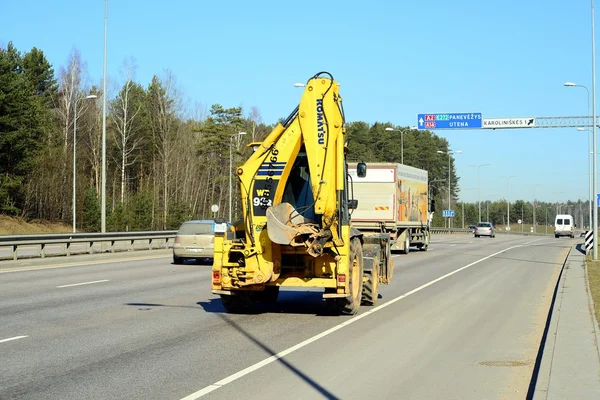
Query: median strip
{"points": [[84, 283]]}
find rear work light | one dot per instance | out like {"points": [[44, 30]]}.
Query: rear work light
{"points": [[341, 279], [216, 277]]}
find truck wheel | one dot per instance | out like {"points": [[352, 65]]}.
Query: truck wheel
{"points": [[177, 260], [370, 289], [241, 303], [406, 248], [350, 305], [269, 295], [427, 239]]}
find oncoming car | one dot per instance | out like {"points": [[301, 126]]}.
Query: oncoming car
{"points": [[485, 229], [194, 241]]}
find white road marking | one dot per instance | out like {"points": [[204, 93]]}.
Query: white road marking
{"points": [[83, 283], [12, 338], [453, 245], [269, 360]]}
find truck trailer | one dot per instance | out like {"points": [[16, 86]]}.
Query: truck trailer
{"points": [[393, 198]]}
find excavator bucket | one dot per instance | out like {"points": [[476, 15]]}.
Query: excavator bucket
{"points": [[286, 226]]}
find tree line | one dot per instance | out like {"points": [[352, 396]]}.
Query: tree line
{"points": [[167, 161]]}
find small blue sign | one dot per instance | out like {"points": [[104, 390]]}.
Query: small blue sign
{"points": [[598, 200], [448, 213], [450, 121]]}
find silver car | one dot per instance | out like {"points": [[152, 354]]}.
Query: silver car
{"points": [[485, 229], [194, 241]]}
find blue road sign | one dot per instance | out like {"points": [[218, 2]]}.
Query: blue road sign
{"points": [[598, 200], [450, 121], [448, 213]]}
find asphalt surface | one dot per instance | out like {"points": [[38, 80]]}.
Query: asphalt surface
{"points": [[461, 321]]}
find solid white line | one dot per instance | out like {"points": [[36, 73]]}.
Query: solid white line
{"points": [[12, 338], [329, 331], [83, 283]]}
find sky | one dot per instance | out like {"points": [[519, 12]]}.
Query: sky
{"points": [[393, 60]]}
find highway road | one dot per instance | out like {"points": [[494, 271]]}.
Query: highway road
{"points": [[461, 321]]}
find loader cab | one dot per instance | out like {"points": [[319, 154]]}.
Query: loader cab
{"points": [[298, 188]]}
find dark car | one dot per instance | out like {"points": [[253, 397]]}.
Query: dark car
{"points": [[472, 228]]}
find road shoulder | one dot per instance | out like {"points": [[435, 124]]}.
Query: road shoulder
{"points": [[570, 363]]}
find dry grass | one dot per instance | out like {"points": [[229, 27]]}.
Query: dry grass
{"points": [[594, 280], [17, 226]]}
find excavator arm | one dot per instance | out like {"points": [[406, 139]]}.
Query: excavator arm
{"points": [[293, 181]]}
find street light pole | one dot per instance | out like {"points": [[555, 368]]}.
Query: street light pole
{"points": [[449, 178], [74, 205], [594, 160], [103, 202], [479, 187], [231, 170], [590, 184], [508, 202], [401, 142], [534, 221]]}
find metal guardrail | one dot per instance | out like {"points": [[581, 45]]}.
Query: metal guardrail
{"points": [[499, 232], [68, 239]]}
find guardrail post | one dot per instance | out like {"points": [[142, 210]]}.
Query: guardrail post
{"points": [[112, 246], [43, 250], [68, 249], [131, 246], [150, 244], [166, 243], [14, 252], [91, 248]]}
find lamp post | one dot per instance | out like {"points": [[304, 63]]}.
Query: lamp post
{"points": [[463, 207], [534, 221], [479, 187], [74, 205], [594, 148], [103, 201], [231, 169], [508, 202], [401, 142], [449, 177], [590, 184], [487, 205]]}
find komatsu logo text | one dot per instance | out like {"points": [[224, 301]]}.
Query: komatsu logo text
{"points": [[320, 122]]}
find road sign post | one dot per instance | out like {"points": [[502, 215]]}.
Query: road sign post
{"points": [[450, 121]]}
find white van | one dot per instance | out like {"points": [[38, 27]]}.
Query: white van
{"points": [[563, 226]]}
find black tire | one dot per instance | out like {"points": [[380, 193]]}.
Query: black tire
{"points": [[370, 289], [269, 295], [350, 305], [425, 245], [241, 303], [556, 236], [406, 248], [177, 260]]}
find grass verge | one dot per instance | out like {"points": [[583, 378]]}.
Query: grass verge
{"points": [[594, 280]]}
